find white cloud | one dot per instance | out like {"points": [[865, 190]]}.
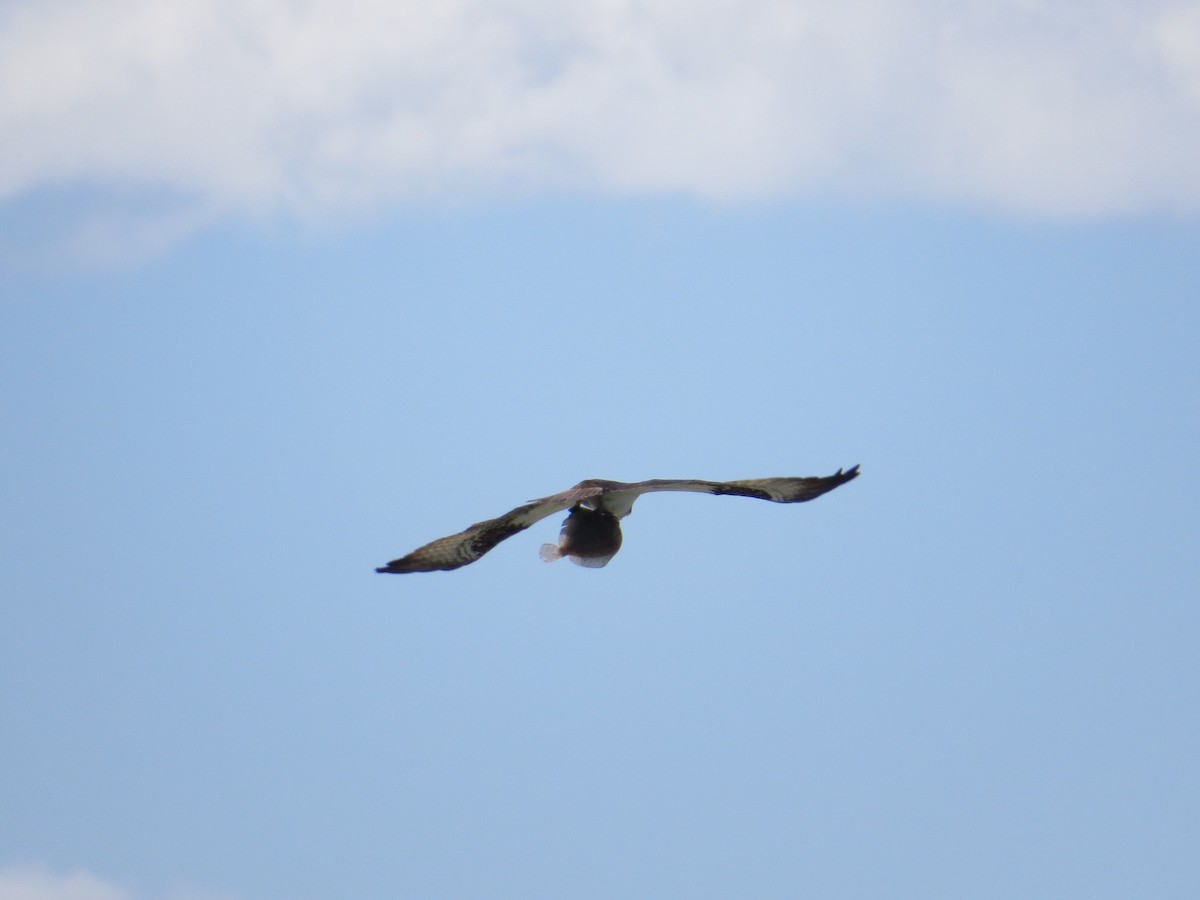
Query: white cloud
{"points": [[318, 107], [37, 882]]}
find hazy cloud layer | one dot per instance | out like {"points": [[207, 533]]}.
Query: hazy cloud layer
{"points": [[317, 107], [37, 882]]}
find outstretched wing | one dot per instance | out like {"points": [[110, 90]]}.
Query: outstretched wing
{"points": [[458, 550], [777, 490]]}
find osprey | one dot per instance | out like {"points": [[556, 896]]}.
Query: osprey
{"points": [[591, 533]]}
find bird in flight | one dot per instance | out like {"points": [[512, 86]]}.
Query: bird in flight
{"points": [[591, 533]]}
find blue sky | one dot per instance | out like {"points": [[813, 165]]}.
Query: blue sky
{"points": [[289, 291]]}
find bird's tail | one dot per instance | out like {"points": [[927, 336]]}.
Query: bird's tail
{"points": [[549, 553]]}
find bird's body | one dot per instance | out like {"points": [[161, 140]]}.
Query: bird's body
{"points": [[588, 538], [591, 534]]}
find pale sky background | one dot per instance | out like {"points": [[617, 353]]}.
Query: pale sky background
{"points": [[290, 288]]}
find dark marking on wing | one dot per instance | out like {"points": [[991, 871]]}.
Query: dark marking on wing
{"points": [[457, 550]]}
